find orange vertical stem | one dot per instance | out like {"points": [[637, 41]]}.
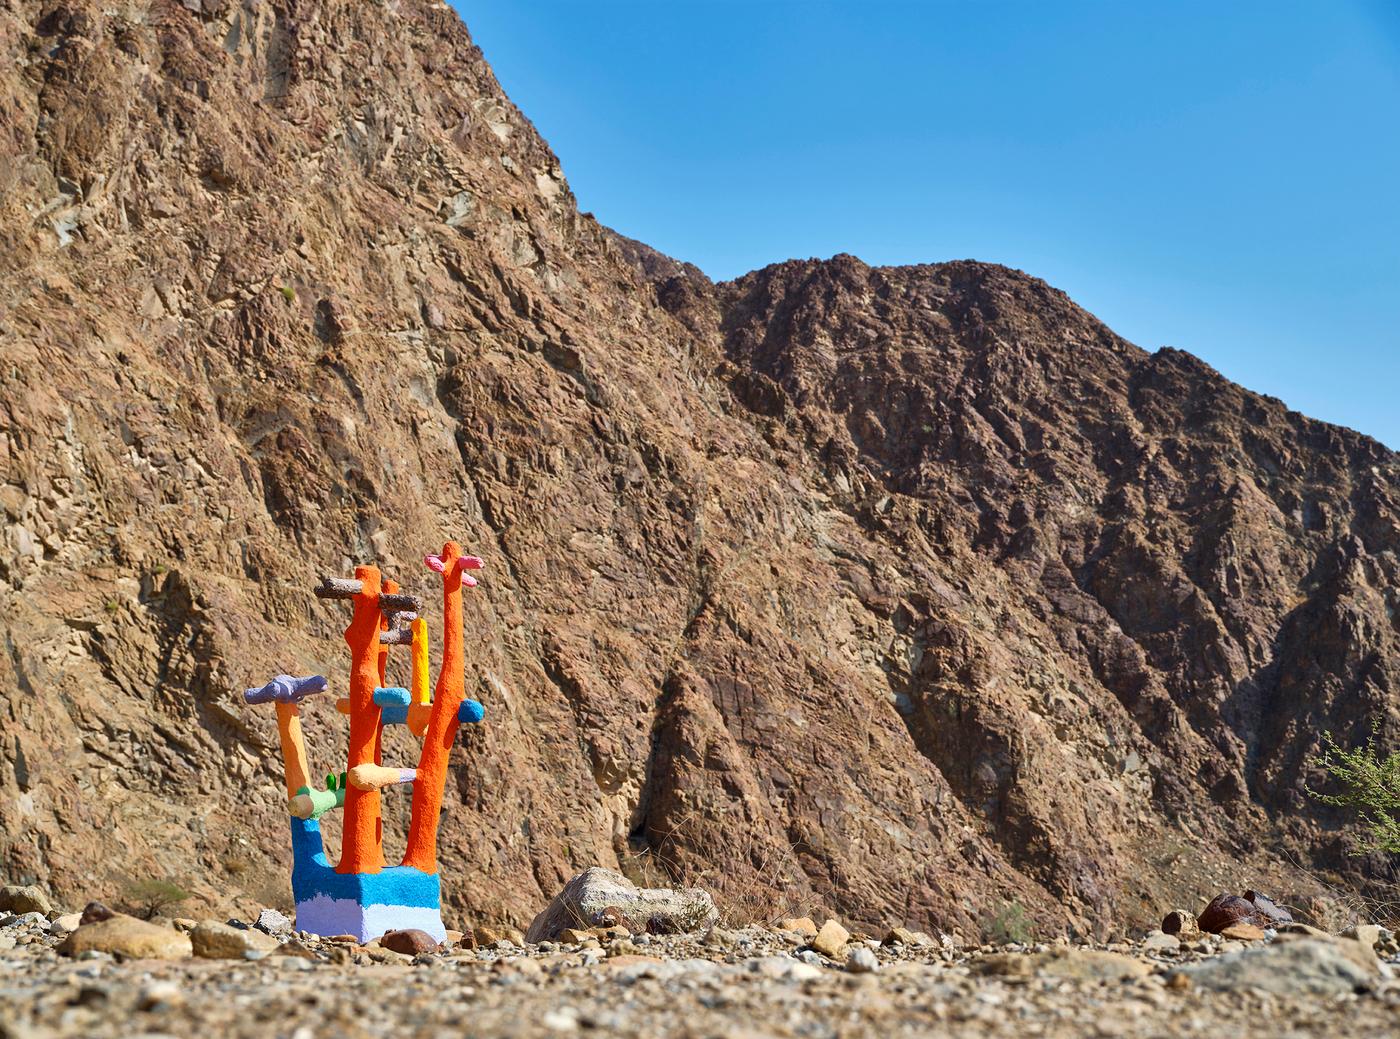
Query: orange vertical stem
{"points": [[361, 850], [442, 724], [293, 748], [388, 588]]}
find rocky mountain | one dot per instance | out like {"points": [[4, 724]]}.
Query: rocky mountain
{"points": [[910, 593]]}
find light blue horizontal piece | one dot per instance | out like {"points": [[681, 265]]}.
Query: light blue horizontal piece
{"points": [[391, 696]]}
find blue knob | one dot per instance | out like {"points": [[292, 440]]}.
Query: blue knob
{"points": [[470, 712]]}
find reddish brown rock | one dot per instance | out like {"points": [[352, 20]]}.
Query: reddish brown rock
{"points": [[410, 942], [1252, 908]]}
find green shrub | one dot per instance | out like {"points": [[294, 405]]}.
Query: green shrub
{"points": [[1010, 923], [148, 896], [1370, 786]]}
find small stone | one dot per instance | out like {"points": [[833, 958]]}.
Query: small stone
{"points": [[95, 912], [831, 940], [803, 925], [718, 938], [212, 940], [1367, 934], [860, 960], [1181, 923], [271, 921], [160, 995], [128, 937], [900, 936], [486, 935], [296, 949], [451, 937], [574, 936], [565, 1019], [1069, 963], [410, 942], [16, 898], [1243, 933], [1307, 930], [1156, 941], [612, 916]]}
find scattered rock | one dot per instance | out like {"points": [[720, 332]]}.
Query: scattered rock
{"points": [[1181, 923], [1244, 933], [1367, 934], [860, 960], [95, 912], [15, 898], [587, 896], [410, 942], [900, 936], [1157, 941], [574, 936], [213, 940], [129, 937], [803, 925], [831, 940], [65, 924], [296, 949], [270, 921], [1251, 908], [1308, 966], [1303, 929], [1068, 963]]}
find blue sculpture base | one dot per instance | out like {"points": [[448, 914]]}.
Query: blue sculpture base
{"points": [[365, 905]]}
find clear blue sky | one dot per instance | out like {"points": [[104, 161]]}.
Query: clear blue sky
{"points": [[1222, 177]]}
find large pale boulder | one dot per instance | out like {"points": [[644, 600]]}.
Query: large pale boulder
{"points": [[213, 940], [129, 938], [1303, 967], [656, 910]]}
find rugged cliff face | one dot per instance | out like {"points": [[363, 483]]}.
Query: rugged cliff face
{"points": [[910, 593]]}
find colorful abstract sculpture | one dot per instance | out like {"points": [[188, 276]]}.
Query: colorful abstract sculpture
{"points": [[361, 895]]}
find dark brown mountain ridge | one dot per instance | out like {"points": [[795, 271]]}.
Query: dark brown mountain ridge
{"points": [[910, 593]]}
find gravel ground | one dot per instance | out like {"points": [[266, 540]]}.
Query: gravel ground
{"points": [[752, 982]]}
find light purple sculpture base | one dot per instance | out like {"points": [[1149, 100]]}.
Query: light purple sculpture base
{"points": [[328, 916]]}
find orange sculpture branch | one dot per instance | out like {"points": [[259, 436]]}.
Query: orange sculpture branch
{"points": [[362, 849], [448, 696]]}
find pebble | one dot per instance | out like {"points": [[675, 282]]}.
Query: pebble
{"points": [[831, 940], [273, 922], [65, 924], [803, 925], [860, 960]]}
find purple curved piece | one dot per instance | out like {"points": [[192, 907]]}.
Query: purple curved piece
{"points": [[286, 689]]}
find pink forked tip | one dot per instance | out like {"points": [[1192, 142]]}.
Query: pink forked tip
{"points": [[434, 563], [468, 581], [471, 562]]}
